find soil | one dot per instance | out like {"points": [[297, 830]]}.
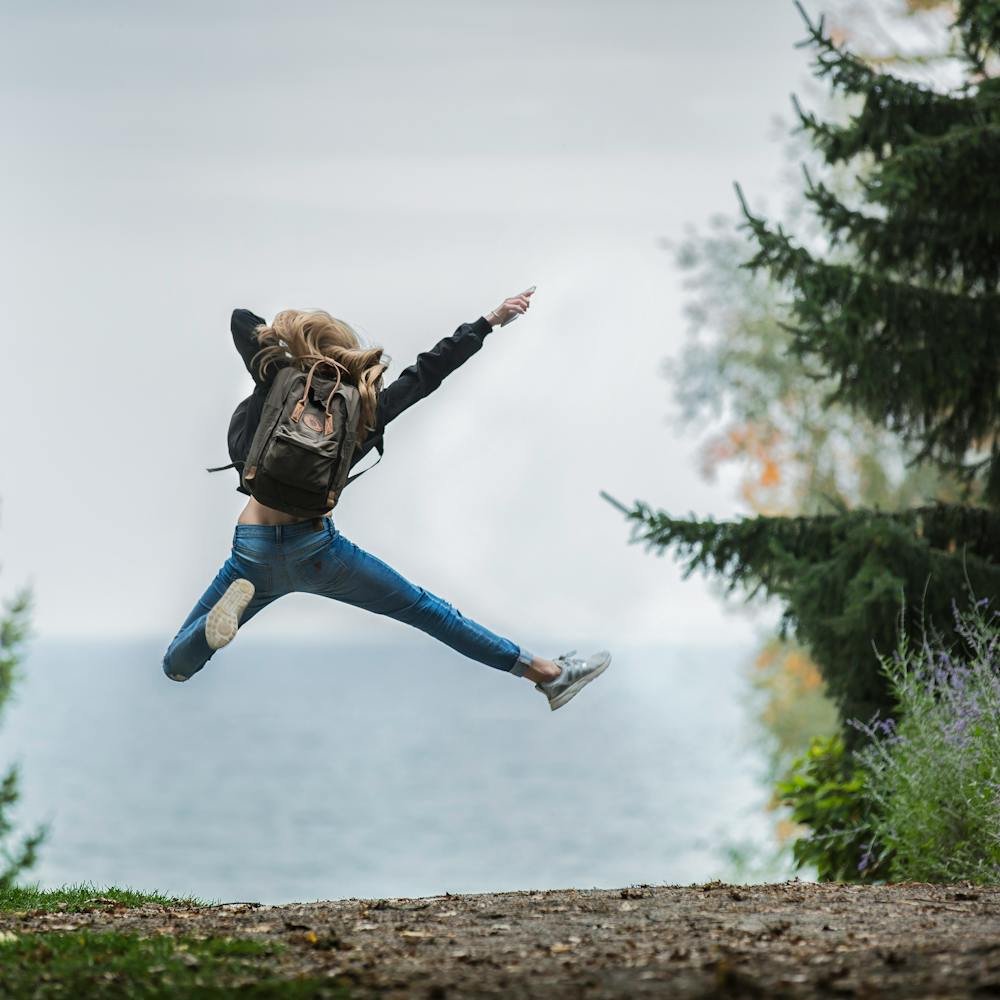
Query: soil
{"points": [[795, 939]]}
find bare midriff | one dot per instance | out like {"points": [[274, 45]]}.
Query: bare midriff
{"points": [[257, 513]]}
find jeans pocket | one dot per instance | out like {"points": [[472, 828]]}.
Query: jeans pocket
{"points": [[343, 553], [251, 567], [317, 569]]}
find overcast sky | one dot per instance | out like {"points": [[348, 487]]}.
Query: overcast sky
{"points": [[405, 166]]}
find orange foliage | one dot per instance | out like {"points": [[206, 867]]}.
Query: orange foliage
{"points": [[786, 830], [787, 675], [803, 671], [770, 476], [765, 657], [757, 443]]}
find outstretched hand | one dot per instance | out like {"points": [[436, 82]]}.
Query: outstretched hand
{"points": [[510, 308]]}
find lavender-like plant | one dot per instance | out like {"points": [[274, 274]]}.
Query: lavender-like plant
{"points": [[935, 776]]}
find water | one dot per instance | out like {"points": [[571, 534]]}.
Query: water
{"points": [[317, 771]]}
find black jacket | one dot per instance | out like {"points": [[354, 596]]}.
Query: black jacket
{"points": [[413, 383]]}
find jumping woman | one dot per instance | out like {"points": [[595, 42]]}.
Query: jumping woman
{"points": [[275, 552]]}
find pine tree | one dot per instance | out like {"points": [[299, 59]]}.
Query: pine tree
{"points": [[899, 309], [13, 633]]}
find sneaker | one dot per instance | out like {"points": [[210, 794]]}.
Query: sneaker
{"points": [[224, 619], [576, 673]]}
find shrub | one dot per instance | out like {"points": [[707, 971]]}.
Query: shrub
{"points": [[934, 777], [828, 793]]}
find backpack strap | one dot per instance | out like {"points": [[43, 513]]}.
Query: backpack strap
{"points": [[335, 496], [379, 447], [232, 465]]}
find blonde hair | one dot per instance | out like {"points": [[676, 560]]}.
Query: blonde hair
{"points": [[299, 337]]}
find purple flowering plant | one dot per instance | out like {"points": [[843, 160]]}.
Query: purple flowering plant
{"points": [[933, 776]]}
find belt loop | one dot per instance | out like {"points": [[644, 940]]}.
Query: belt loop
{"points": [[277, 532]]}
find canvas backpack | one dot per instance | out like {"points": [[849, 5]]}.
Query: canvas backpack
{"points": [[301, 452]]}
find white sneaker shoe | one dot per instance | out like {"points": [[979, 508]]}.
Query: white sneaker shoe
{"points": [[576, 673], [224, 618]]}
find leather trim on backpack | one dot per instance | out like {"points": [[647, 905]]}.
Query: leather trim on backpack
{"points": [[302, 449]]}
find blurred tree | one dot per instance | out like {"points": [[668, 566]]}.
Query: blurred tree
{"points": [[14, 859], [867, 306], [797, 453]]}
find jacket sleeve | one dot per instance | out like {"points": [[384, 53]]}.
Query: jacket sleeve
{"points": [[242, 325], [430, 368]]}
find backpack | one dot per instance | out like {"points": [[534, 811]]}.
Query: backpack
{"points": [[301, 452]]}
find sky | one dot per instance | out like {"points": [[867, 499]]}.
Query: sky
{"points": [[404, 166]]}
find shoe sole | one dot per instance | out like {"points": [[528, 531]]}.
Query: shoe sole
{"points": [[578, 685], [224, 618]]}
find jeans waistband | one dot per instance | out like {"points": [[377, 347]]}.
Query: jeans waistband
{"points": [[281, 532]]}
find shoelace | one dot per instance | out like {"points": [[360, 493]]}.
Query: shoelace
{"points": [[569, 659], [565, 660]]}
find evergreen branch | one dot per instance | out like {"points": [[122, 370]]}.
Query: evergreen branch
{"points": [[848, 72], [734, 547], [8, 796], [978, 24], [966, 158], [955, 250], [881, 340], [615, 503], [841, 576], [22, 859], [14, 632], [891, 105], [828, 138], [24, 856]]}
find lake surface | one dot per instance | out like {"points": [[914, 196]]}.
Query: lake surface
{"points": [[307, 771]]}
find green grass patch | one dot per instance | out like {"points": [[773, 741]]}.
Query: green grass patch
{"points": [[80, 897], [85, 964]]}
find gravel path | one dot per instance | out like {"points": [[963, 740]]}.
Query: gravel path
{"points": [[790, 940]]}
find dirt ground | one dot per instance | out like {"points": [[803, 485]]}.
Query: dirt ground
{"points": [[790, 940]]}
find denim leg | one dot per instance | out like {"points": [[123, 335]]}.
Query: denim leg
{"points": [[189, 651], [354, 576]]}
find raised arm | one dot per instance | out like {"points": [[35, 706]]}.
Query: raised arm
{"points": [[431, 367], [242, 324]]}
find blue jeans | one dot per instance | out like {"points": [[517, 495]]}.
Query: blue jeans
{"points": [[282, 559]]}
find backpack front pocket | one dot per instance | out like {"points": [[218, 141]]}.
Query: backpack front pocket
{"points": [[308, 463]]}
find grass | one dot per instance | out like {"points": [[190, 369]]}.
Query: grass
{"points": [[89, 963], [73, 898], [85, 964]]}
